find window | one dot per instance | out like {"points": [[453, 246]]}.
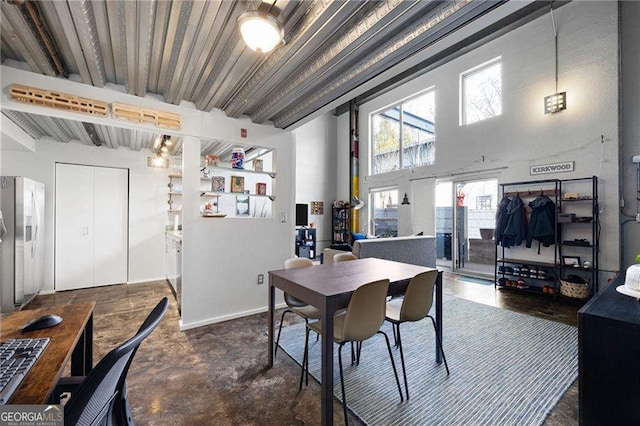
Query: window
{"points": [[481, 92], [403, 136], [384, 214]]}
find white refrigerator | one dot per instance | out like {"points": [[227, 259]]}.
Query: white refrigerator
{"points": [[22, 246]]}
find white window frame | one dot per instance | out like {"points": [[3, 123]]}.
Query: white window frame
{"points": [[469, 73], [400, 121], [372, 193]]}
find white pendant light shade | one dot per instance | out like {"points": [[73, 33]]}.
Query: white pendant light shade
{"points": [[260, 31]]}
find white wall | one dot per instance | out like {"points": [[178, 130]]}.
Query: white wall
{"points": [[316, 169], [524, 135], [223, 257], [147, 199], [630, 34]]}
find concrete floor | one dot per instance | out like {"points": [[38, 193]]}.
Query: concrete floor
{"points": [[215, 375]]}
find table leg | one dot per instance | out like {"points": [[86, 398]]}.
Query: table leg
{"points": [[270, 318], [439, 316], [326, 394], [82, 355]]}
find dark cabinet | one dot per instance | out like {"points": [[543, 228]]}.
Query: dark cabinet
{"points": [[609, 350]]}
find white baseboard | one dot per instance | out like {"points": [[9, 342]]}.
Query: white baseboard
{"points": [[47, 292], [147, 280], [224, 318]]}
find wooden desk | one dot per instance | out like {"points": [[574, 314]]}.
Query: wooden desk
{"points": [[329, 287], [71, 339]]}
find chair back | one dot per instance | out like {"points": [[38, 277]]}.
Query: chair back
{"points": [[344, 257], [92, 402], [366, 311], [295, 262], [419, 297]]}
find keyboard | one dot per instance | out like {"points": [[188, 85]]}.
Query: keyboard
{"points": [[17, 356]]}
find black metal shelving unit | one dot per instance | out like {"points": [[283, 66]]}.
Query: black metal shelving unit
{"points": [[588, 251], [528, 190], [569, 236], [341, 226]]}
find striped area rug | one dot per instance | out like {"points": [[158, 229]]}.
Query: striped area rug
{"points": [[506, 369]]}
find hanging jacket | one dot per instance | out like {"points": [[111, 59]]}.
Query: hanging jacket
{"points": [[501, 219], [516, 229], [543, 222]]}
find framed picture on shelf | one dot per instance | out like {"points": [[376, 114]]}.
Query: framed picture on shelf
{"points": [[242, 205], [261, 188], [237, 184], [258, 165], [573, 261], [217, 184], [317, 207]]}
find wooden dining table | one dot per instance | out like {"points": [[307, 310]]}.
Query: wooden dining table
{"points": [[329, 287]]}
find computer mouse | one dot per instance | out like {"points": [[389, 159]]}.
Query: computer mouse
{"points": [[39, 323]]}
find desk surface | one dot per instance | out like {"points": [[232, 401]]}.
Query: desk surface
{"points": [[44, 375]]}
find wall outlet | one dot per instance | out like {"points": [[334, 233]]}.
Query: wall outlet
{"points": [[260, 278]]}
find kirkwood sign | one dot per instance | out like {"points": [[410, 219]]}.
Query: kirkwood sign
{"points": [[552, 168]]}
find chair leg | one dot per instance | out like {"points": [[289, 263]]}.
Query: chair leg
{"points": [[275, 352], [404, 369], [305, 360], [359, 350], [393, 364], [344, 397], [395, 328], [435, 329], [353, 354]]}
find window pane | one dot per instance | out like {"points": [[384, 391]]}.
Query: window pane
{"points": [[385, 213], [483, 94], [386, 140], [418, 131]]}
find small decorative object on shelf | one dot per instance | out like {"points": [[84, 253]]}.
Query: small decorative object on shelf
{"points": [[237, 158], [261, 188], [258, 165], [242, 205], [631, 285], [212, 160], [237, 184], [217, 184]]}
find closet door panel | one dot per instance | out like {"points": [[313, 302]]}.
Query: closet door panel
{"points": [[110, 245], [74, 227]]}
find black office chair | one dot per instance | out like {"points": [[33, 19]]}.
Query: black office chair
{"points": [[101, 397]]}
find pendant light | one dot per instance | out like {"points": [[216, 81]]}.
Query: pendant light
{"points": [[558, 101], [261, 31]]}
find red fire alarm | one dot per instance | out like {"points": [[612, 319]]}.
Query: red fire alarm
{"points": [[243, 133]]}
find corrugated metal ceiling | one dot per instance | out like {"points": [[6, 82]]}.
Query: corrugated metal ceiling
{"points": [[191, 50]]}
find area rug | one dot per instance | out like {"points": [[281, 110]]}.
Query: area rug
{"points": [[506, 368], [475, 280]]}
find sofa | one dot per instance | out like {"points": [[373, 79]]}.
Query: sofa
{"points": [[417, 250]]}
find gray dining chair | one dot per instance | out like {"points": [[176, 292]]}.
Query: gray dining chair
{"points": [[294, 304], [361, 321], [414, 306]]}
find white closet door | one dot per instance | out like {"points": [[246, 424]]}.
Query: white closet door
{"points": [[74, 227], [111, 193]]}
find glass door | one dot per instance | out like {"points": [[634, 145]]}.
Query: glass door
{"points": [[473, 248], [444, 224]]}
